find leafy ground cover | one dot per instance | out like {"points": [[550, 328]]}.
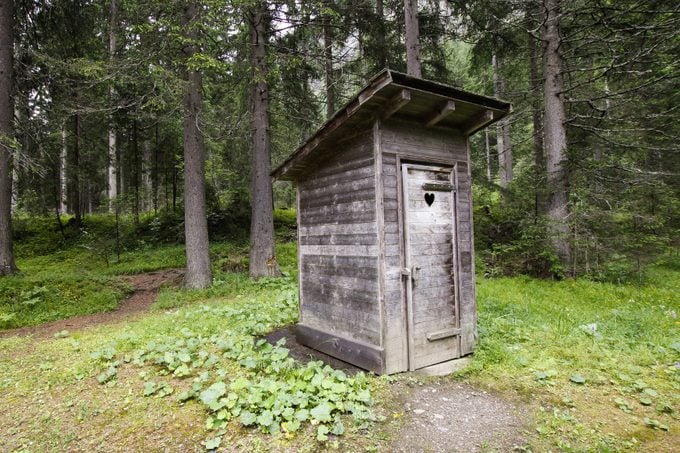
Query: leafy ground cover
{"points": [[596, 365]]}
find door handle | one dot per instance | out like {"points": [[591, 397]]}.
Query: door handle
{"points": [[415, 273]]}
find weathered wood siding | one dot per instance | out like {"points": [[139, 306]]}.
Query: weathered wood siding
{"points": [[338, 241], [400, 141], [466, 258], [396, 341], [414, 142]]}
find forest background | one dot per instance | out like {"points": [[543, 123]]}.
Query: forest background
{"points": [[140, 107]]}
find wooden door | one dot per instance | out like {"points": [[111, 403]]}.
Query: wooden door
{"points": [[429, 209]]}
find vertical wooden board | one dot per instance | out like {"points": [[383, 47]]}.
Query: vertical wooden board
{"points": [[396, 348], [380, 227], [299, 257], [468, 304]]}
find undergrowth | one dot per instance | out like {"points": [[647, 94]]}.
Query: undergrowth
{"points": [[237, 376], [67, 272], [602, 359]]}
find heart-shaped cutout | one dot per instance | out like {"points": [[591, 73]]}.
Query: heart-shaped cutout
{"points": [[429, 198]]}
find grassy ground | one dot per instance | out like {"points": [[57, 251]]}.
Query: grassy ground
{"points": [[600, 362], [70, 274], [596, 365]]}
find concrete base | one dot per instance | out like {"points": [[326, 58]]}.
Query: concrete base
{"points": [[444, 368]]}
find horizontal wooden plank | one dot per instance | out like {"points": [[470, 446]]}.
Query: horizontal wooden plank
{"points": [[391, 215], [352, 323], [418, 240], [337, 179], [392, 238], [346, 164], [448, 353], [336, 228], [436, 320], [347, 185], [390, 168], [339, 209], [339, 297], [339, 250], [346, 218], [362, 283], [338, 260], [329, 198], [428, 228], [340, 239], [441, 281], [441, 334], [390, 193], [364, 355], [435, 293], [366, 272]]}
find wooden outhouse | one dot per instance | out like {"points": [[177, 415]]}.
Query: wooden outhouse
{"points": [[386, 263]]}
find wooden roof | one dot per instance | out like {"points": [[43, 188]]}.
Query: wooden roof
{"points": [[396, 95]]}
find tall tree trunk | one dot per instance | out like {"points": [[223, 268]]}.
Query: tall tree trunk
{"points": [[63, 165], [75, 172], [15, 185], [155, 176], [198, 272], [7, 264], [380, 41], [488, 154], [147, 168], [262, 251], [112, 161], [535, 83], [122, 172], [135, 170], [555, 135], [328, 60], [412, 38], [502, 129]]}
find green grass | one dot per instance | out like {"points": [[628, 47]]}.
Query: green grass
{"points": [[540, 339], [53, 376], [596, 366], [79, 273]]}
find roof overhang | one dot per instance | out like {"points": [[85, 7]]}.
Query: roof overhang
{"points": [[392, 94]]}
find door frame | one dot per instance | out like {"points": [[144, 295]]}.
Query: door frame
{"points": [[406, 271]]}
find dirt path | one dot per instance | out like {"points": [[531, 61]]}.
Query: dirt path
{"points": [[439, 415], [449, 416], [146, 288]]}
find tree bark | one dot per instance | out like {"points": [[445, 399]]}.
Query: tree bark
{"points": [[262, 251], [380, 37], [63, 164], [135, 170], [555, 135], [147, 170], [328, 61], [488, 154], [535, 83], [7, 264], [112, 161], [75, 173], [412, 38], [502, 129], [198, 272]]}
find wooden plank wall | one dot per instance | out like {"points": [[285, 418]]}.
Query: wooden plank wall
{"points": [[412, 143], [466, 258], [338, 240]]}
